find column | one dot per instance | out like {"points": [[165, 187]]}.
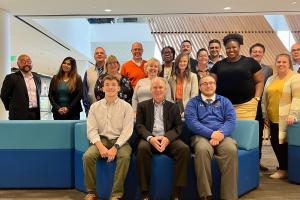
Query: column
{"points": [[5, 51]]}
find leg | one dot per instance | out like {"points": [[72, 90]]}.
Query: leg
{"points": [[143, 161], [227, 158], [123, 161], [180, 152], [203, 155], [274, 139], [89, 166]]}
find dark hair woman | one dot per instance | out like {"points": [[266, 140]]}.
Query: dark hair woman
{"points": [[65, 91], [239, 78]]}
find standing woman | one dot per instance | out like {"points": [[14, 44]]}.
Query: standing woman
{"points": [[183, 82], [65, 91], [281, 107], [112, 67], [202, 66], [239, 78], [168, 56]]}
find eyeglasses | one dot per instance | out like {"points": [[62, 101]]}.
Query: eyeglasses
{"points": [[208, 83], [293, 50]]}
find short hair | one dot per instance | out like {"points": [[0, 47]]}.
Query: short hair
{"points": [[109, 59], [257, 45], [168, 47], [111, 78], [214, 41], [198, 52], [161, 79], [233, 37], [288, 57], [207, 75], [150, 61], [188, 41]]}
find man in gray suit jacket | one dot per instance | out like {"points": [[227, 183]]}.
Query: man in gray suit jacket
{"points": [[158, 124], [257, 52], [20, 92]]}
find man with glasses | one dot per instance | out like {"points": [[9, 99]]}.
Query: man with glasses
{"points": [[295, 51], [20, 92], [211, 118], [134, 68]]}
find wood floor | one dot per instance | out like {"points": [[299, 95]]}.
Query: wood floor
{"points": [[269, 189]]}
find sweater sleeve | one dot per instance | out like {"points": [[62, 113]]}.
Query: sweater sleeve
{"points": [[229, 118]]}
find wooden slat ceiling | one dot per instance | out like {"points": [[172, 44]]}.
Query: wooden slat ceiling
{"points": [[201, 29], [294, 24]]}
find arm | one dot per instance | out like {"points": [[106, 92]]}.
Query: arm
{"points": [[195, 87], [176, 130], [135, 99], [92, 127], [127, 126], [6, 91], [51, 95], [230, 118], [142, 131], [78, 92], [191, 119], [259, 83], [294, 113], [85, 97]]}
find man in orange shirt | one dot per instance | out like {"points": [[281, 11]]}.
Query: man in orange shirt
{"points": [[134, 68]]}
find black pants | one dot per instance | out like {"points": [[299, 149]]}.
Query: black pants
{"points": [[177, 150], [280, 150], [261, 123], [34, 114], [68, 116]]}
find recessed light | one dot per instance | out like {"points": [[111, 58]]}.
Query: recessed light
{"points": [[294, 3], [107, 10], [227, 8]]}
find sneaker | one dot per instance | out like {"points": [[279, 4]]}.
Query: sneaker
{"points": [[280, 174], [90, 196], [263, 168]]}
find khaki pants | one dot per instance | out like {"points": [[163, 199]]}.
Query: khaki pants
{"points": [[123, 160], [246, 111], [227, 159]]}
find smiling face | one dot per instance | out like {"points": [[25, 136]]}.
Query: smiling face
{"points": [[24, 63], [137, 51], [167, 55], [232, 50], [183, 63], [295, 51], [66, 66], [111, 88], [186, 47], [214, 49], [112, 66], [202, 58], [283, 64], [152, 68], [99, 55], [207, 86], [158, 89], [257, 53]]}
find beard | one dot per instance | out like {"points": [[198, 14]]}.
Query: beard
{"points": [[26, 68]]}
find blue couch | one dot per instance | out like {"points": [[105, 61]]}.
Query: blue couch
{"points": [[36, 154], [246, 135], [294, 153]]}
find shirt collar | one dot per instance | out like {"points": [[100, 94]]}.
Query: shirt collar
{"points": [[27, 75], [204, 98], [159, 104], [115, 101]]}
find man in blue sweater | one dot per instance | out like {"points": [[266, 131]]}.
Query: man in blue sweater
{"points": [[212, 118]]}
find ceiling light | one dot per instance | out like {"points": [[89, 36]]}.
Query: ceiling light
{"points": [[294, 3], [227, 8], [107, 10]]}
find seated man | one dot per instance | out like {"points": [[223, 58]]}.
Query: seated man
{"points": [[109, 126], [212, 118], [158, 124]]}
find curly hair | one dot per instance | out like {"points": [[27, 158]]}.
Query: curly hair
{"points": [[233, 37]]}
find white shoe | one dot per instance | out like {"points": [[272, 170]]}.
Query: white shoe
{"points": [[280, 174]]}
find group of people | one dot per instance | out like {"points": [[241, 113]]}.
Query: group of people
{"points": [[209, 93]]}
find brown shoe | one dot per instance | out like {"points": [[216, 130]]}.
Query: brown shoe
{"points": [[90, 196]]}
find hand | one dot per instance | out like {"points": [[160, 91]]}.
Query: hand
{"points": [[290, 120], [214, 142], [111, 154], [217, 135], [267, 122], [65, 110], [155, 142], [164, 143], [102, 149], [61, 111]]}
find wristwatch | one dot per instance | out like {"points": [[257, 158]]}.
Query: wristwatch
{"points": [[117, 146], [257, 98]]}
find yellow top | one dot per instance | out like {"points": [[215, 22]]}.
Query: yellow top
{"points": [[274, 92]]}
